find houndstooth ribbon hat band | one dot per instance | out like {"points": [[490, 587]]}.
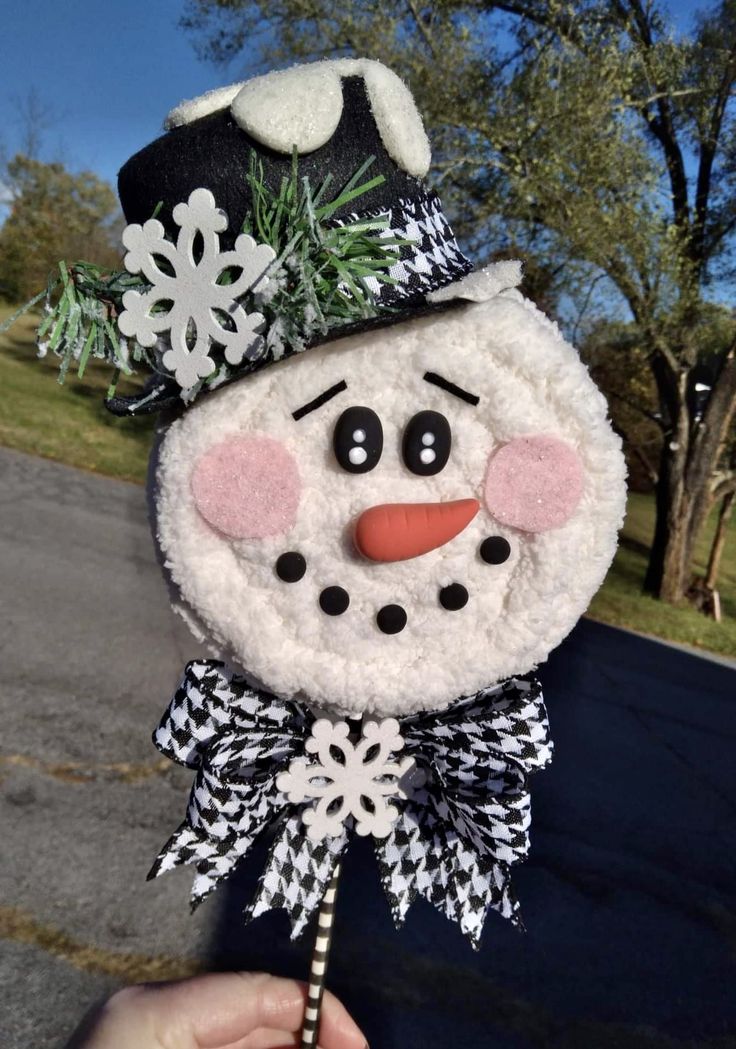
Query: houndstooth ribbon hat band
{"points": [[426, 260], [455, 837]]}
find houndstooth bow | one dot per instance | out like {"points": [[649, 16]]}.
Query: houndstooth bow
{"points": [[453, 843]]}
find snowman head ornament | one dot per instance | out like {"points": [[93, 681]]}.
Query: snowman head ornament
{"points": [[385, 489], [396, 519], [403, 514]]}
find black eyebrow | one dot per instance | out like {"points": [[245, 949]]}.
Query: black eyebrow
{"points": [[450, 387], [319, 401]]}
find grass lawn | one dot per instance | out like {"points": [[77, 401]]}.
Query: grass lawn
{"points": [[71, 426], [621, 602], [66, 423]]}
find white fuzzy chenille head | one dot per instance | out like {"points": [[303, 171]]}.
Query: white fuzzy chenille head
{"points": [[222, 533]]}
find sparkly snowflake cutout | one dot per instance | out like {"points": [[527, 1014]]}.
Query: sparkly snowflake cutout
{"points": [[186, 298], [350, 779]]}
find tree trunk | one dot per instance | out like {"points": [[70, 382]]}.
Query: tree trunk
{"points": [[668, 558], [690, 454], [719, 541]]}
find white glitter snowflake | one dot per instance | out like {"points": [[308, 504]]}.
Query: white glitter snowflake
{"points": [[185, 298], [350, 779]]}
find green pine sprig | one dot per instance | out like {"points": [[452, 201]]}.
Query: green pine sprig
{"points": [[317, 281], [82, 302], [321, 268]]}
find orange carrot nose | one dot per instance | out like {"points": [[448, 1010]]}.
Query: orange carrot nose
{"points": [[399, 531]]}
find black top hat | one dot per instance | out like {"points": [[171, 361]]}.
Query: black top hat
{"points": [[325, 123]]}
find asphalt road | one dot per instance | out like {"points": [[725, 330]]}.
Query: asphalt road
{"points": [[629, 897]]}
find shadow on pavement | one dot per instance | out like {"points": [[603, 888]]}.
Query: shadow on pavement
{"points": [[629, 896]]}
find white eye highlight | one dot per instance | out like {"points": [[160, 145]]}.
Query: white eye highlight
{"points": [[426, 443], [357, 439]]}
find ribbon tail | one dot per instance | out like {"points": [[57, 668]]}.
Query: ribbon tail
{"points": [[296, 874], [503, 897], [400, 857], [214, 859], [181, 848], [212, 870], [425, 857], [415, 861], [477, 886]]}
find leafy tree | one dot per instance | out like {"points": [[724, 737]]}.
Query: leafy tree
{"points": [[618, 365], [618, 361], [589, 131], [53, 214]]}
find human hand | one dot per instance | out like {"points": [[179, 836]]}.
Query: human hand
{"points": [[215, 1011]]}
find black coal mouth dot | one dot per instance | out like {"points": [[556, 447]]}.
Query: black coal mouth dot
{"points": [[391, 619], [334, 600], [291, 566], [495, 550], [453, 597]]}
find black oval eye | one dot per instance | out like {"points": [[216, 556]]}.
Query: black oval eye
{"points": [[427, 443], [358, 440]]}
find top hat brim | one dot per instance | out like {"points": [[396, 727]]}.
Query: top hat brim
{"points": [[161, 393]]}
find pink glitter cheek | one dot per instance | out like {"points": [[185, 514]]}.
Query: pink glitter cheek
{"points": [[247, 487], [534, 483]]}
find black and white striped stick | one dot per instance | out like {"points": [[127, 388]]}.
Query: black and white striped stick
{"points": [[318, 968]]}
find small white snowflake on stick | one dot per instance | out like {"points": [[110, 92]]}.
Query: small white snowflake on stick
{"points": [[350, 779], [185, 298]]}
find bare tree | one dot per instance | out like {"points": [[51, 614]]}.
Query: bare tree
{"points": [[34, 116]]}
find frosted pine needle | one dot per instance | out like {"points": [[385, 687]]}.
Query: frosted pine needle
{"points": [[319, 279]]}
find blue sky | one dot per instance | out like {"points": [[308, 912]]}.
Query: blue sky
{"points": [[110, 72]]}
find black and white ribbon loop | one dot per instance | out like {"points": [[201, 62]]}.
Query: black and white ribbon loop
{"points": [[454, 840]]}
